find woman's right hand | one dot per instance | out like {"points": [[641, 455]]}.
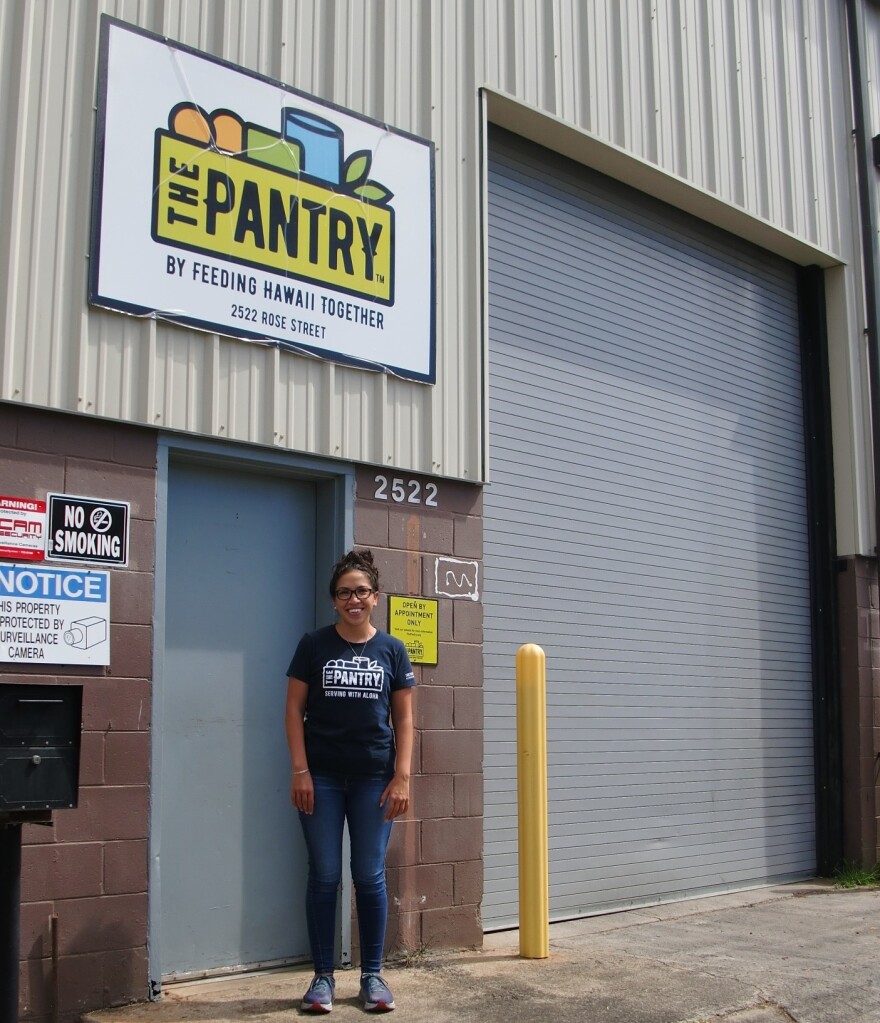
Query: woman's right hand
{"points": [[302, 792]]}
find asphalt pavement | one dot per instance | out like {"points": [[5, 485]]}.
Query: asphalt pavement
{"points": [[800, 953]]}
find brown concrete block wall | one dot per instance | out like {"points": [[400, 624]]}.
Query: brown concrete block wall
{"points": [[435, 862], [88, 869], [859, 626]]}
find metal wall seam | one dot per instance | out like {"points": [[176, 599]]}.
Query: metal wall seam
{"points": [[463, 217]]}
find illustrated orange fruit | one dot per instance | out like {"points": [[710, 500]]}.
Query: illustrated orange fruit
{"points": [[228, 132], [191, 122]]}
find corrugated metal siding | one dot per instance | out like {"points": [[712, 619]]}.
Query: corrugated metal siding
{"points": [[748, 101], [647, 526]]}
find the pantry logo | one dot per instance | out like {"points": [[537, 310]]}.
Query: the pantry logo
{"points": [[232, 203], [288, 201]]}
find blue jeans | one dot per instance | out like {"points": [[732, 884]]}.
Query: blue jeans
{"points": [[357, 800]]}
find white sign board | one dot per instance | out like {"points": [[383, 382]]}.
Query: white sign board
{"points": [[228, 201], [54, 615]]}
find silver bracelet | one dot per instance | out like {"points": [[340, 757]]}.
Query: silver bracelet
{"points": [[306, 771]]}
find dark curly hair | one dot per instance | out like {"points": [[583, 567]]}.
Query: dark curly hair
{"points": [[355, 561]]}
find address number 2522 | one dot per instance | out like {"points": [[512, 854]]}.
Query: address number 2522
{"points": [[405, 491]]}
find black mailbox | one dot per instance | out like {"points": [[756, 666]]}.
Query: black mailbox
{"points": [[40, 734]]}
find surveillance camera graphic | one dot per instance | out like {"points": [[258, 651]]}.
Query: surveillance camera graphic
{"points": [[85, 633]]}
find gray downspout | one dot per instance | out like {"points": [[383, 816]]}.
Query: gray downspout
{"points": [[868, 222]]}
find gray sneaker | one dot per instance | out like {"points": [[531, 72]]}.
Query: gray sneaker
{"points": [[375, 995], [319, 997]]}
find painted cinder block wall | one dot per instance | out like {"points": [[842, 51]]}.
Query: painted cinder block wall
{"points": [[435, 875], [859, 624], [89, 867]]}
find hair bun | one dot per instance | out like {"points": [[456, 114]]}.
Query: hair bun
{"points": [[355, 561]]}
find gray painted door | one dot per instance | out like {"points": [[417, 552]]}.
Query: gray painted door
{"points": [[646, 525], [240, 591]]}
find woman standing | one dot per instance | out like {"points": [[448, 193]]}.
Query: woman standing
{"points": [[350, 732]]}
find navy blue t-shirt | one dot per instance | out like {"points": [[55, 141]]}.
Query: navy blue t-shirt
{"points": [[348, 710]]}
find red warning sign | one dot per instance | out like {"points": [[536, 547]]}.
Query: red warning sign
{"points": [[22, 528]]}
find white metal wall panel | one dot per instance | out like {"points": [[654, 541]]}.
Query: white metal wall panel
{"points": [[748, 101], [745, 100], [646, 525]]}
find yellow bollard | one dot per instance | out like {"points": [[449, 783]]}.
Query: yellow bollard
{"points": [[531, 741]]}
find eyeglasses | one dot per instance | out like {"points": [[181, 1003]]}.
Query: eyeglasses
{"points": [[362, 592]]}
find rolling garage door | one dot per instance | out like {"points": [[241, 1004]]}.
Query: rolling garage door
{"points": [[646, 525]]}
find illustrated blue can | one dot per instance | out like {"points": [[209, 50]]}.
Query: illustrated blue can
{"points": [[320, 141]]}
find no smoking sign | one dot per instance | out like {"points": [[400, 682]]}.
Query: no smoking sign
{"points": [[87, 529]]}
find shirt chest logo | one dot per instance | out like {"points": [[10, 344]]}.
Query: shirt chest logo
{"points": [[354, 677]]}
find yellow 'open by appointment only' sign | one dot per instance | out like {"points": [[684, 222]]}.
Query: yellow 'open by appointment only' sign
{"points": [[414, 621]]}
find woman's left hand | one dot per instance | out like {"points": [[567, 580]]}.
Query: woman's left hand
{"points": [[395, 798]]}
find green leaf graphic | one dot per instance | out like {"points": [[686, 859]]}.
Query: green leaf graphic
{"points": [[372, 191], [357, 167]]}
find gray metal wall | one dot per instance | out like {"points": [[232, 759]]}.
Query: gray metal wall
{"points": [[743, 103], [646, 525]]}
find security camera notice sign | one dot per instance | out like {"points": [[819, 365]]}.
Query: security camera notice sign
{"points": [[54, 615]]}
